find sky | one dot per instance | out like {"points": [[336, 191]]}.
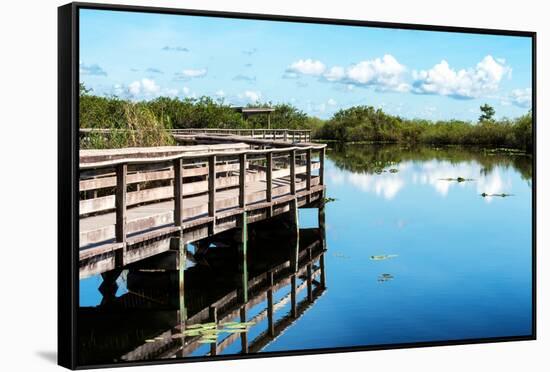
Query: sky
{"points": [[318, 68]]}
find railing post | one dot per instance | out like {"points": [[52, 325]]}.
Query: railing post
{"points": [[322, 166], [269, 176], [293, 172], [293, 136], [309, 277], [212, 190], [308, 169], [242, 248], [285, 135], [178, 194], [270, 323], [242, 181], [322, 267], [120, 206], [293, 308], [244, 335], [213, 312]]}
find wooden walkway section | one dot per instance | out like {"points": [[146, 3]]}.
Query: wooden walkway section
{"points": [[133, 202]]}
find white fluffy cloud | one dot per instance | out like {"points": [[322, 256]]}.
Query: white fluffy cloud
{"points": [[149, 86], [144, 86], [479, 81], [335, 73], [251, 96], [384, 73], [306, 67], [520, 97], [192, 73], [220, 93]]}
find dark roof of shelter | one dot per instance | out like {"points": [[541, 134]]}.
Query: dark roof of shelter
{"points": [[254, 110]]}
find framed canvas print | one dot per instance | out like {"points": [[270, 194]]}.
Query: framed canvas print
{"points": [[245, 185]]}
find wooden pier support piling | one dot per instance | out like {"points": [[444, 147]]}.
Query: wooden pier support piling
{"points": [[323, 280], [270, 322], [177, 244], [295, 231], [309, 278], [242, 244], [244, 335], [293, 307], [213, 313], [109, 286]]}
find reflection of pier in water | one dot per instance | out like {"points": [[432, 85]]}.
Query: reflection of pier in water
{"points": [[148, 321]]}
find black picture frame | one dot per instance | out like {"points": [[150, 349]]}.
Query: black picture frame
{"points": [[68, 123]]}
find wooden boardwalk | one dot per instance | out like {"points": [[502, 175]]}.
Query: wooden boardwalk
{"points": [[134, 202]]}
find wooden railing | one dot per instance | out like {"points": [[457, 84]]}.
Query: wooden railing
{"points": [[292, 135], [121, 184]]}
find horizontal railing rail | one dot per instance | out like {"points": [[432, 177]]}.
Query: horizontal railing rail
{"points": [[294, 135]]}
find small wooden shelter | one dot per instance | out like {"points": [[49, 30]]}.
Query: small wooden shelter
{"points": [[249, 111]]}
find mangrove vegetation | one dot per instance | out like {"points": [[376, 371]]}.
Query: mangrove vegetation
{"points": [[153, 118]]}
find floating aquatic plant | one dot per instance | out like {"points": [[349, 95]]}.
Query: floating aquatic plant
{"points": [[383, 257], [503, 195], [208, 332], [329, 200], [458, 179], [385, 278]]}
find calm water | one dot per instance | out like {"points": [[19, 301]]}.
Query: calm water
{"points": [[457, 265]]}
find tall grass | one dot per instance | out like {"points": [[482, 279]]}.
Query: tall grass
{"points": [[141, 129]]}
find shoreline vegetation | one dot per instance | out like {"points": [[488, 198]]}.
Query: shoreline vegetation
{"points": [[145, 123]]}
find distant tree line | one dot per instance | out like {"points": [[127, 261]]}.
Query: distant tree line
{"points": [[149, 121], [367, 124]]}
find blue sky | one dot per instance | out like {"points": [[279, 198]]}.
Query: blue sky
{"points": [[318, 68]]}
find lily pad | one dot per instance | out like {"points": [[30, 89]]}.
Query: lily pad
{"points": [[207, 341], [502, 195], [236, 330], [458, 179], [383, 257], [192, 333], [385, 278]]}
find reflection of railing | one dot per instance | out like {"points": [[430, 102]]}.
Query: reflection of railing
{"points": [[129, 201], [311, 265], [149, 320]]}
